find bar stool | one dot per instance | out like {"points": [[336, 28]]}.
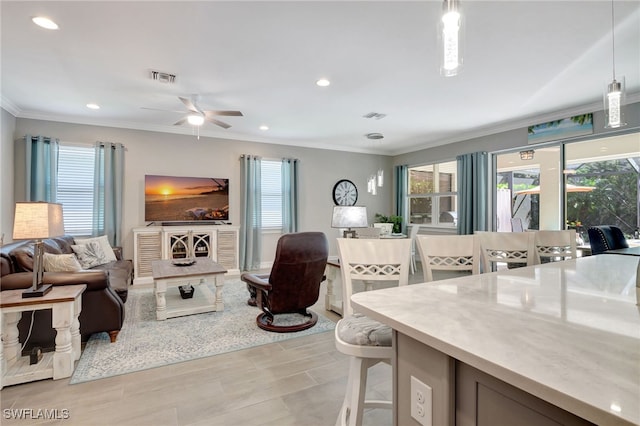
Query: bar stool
{"points": [[366, 341], [448, 253]]}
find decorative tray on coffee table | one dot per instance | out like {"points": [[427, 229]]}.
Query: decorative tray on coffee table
{"points": [[183, 262]]}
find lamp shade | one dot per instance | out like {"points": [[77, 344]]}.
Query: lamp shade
{"points": [[37, 221], [349, 217]]}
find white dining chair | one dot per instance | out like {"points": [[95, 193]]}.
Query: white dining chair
{"points": [[448, 253], [366, 341], [555, 245], [412, 235], [511, 248], [370, 232]]}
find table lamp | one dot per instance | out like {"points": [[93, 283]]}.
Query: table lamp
{"points": [[349, 217], [35, 221]]}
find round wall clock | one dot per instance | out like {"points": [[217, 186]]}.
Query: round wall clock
{"points": [[345, 193]]}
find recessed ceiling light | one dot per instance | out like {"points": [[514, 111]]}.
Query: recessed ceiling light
{"points": [[43, 22], [93, 106], [323, 82], [263, 127]]}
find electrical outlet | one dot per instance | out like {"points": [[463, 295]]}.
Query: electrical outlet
{"points": [[421, 402]]}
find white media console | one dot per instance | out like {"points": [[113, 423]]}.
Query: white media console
{"points": [[216, 242]]}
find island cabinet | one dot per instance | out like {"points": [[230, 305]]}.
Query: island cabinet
{"points": [[216, 242], [550, 344], [465, 396]]}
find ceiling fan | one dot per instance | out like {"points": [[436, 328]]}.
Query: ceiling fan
{"points": [[197, 116]]}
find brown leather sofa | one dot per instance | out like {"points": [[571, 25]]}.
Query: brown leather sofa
{"points": [[102, 301]]}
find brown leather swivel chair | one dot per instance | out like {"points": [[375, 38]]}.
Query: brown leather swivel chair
{"points": [[294, 282]]}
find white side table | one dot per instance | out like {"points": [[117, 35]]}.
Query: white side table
{"points": [[65, 303]]}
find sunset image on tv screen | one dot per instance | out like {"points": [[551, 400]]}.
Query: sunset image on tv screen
{"points": [[172, 198]]}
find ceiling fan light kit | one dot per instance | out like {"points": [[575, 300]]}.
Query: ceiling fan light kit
{"points": [[195, 120], [196, 116]]}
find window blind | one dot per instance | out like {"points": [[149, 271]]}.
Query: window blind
{"points": [[271, 193], [75, 188]]}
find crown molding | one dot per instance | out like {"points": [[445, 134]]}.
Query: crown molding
{"points": [[187, 131], [492, 129], [522, 123], [9, 106]]}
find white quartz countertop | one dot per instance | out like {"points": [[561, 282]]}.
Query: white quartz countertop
{"points": [[567, 332]]}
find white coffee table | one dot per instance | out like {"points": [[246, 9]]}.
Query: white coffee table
{"points": [[65, 303], [167, 277]]}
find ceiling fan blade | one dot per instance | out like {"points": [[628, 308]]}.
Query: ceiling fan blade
{"points": [[226, 113], [189, 104], [218, 123], [163, 110], [180, 122]]}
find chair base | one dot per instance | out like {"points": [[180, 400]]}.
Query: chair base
{"points": [[354, 404], [265, 322]]}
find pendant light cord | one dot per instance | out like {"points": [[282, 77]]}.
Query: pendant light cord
{"points": [[613, 42]]}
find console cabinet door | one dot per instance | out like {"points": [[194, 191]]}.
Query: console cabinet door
{"points": [[148, 247], [228, 249]]}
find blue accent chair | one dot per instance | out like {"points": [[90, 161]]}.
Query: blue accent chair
{"points": [[606, 237]]}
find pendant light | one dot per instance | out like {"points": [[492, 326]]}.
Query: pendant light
{"points": [[614, 91], [450, 35], [376, 180]]}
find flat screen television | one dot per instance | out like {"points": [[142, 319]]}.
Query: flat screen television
{"points": [[177, 199]]}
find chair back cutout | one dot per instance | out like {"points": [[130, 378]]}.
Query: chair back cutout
{"points": [[555, 245], [507, 247]]}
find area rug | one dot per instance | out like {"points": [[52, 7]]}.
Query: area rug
{"points": [[145, 343]]}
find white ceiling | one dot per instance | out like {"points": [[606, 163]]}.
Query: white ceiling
{"points": [[525, 62]]}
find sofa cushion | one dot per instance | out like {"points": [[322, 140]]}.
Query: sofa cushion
{"points": [[22, 254], [120, 275], [61, 263], [104, 243], [65, 242], [90, 254]]}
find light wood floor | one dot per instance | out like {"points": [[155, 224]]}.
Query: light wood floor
{"points": [[300, 381]]}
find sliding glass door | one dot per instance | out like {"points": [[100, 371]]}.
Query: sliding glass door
{"points": [[597, 185], [603, 178]]}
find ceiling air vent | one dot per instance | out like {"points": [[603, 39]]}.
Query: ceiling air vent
{"points": [[163, 77], [374, 136], [375, 115]]}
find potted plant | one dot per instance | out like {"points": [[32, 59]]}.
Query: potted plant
{"points": [[395, 220]]}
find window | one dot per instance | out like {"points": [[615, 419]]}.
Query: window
{"points": [[75, 188], [432, 194], [271, 181]]}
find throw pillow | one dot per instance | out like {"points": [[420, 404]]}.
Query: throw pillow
{"points": [[61, 263], [104, 243], [90, 254]]}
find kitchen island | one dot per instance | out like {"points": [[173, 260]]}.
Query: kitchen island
{"points": [[524, 346]]}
